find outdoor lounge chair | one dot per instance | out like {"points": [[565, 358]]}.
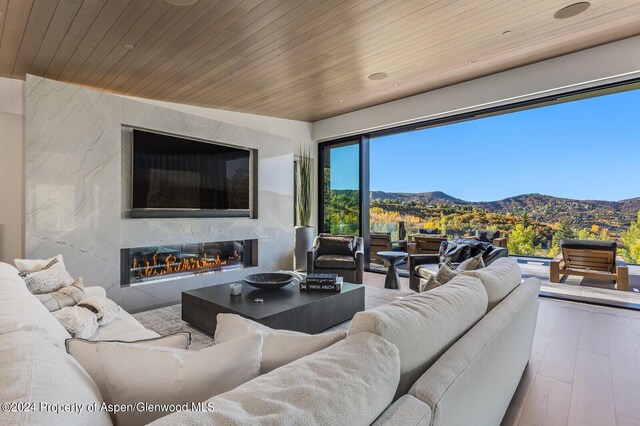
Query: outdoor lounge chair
{"points": [[381, 241], [587, 258]]}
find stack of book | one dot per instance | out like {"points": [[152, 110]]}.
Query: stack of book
{"points": [[322, 282]]}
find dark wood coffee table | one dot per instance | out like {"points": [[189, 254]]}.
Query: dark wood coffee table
{"points": [[286, 308]]}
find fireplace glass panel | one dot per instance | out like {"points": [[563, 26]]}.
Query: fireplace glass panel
{"points": [[167, 261]]}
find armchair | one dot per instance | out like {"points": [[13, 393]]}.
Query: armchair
{"points": [[593, 259], [337, 254], [455, 251]]}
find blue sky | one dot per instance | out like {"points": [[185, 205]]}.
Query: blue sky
{"points": [[587, 149]]}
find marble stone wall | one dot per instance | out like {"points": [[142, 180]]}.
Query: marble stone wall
{"points": [[74, 190]]}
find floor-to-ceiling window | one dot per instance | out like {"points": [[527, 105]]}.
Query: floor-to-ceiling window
{"points": [[537, 172], [539, 175], [340, 188]]}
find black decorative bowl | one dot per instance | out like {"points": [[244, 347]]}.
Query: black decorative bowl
{"points": [[268, 280]]}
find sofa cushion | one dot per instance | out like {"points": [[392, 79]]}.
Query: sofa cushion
{"points": [[351, 382], [499, 279], [9, 274], [341, 245], [33, 370], [125, 328], [279, 347], [327, 261], [424, 325], [408, 410], [129, 372], [474, 381], [21, 311]]}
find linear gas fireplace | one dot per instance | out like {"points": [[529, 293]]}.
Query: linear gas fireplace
{"points": [[155, 263]]}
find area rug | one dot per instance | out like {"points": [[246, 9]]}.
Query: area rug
{"points": [[168, 320]]}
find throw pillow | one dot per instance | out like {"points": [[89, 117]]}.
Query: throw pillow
{"points": [[35, 265], [130, 373], [47, 280], [471, 264], [446, 273], [279, 347], [427, 284], [66, 296]]}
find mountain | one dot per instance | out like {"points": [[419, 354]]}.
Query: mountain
{"points": [[544, 208], [435, 197]]}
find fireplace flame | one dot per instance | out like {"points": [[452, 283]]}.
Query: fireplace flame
{"points": [[170, 264]]}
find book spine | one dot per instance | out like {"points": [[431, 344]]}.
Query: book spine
{"points": [[320, 287], [321, 281]]}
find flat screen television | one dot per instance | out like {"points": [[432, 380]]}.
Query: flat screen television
{"points": [[179, 177]]}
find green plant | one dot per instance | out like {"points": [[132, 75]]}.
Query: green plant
{"points": [[522, 240], [631, 240], [303, 197]]}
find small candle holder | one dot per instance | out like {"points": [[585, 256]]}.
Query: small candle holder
{"points": [[235, 289]]}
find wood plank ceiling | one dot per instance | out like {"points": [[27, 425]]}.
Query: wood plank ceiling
{"points": [[297, 59]]}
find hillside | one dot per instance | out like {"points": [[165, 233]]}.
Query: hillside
{"points": [[614, 215]]}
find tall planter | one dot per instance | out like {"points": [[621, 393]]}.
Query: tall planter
{"points": [[304, 233], [304, 241]]}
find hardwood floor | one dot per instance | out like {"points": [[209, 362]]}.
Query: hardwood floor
{"points": [[583, 369]]}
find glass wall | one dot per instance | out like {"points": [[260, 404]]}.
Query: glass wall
{"points": [[565, 170], [340, 212]]}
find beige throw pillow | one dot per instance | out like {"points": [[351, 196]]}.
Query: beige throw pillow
{"points": [[279, 347], [35, 265], [49, 279], [471, 264], [130, 373], [66, 296], [446, 273]]}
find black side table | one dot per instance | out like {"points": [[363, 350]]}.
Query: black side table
{"points": [[393, 257]]}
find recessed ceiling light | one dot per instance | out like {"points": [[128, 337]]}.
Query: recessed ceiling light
{"points": [[572, 10], [397, 84], [128, 46], [378, 76], [341, 100], [181, 2]]}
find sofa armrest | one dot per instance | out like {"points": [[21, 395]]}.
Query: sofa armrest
{"points": [[312, 255], [95, 291], [408, 410], [416, 260], [423, 259], [622, 272]]}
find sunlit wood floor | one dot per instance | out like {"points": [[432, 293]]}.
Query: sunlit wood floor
{"points": [[584, 368]]}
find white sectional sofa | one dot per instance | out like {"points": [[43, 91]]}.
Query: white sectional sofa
{"points": [[436, 358]]}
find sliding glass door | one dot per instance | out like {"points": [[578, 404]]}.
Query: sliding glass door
{"points": [[340, 188]]}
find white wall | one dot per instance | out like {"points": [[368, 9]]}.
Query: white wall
{"points": [[298, 131], [11, 169], [12, 136], [609, 63]]}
